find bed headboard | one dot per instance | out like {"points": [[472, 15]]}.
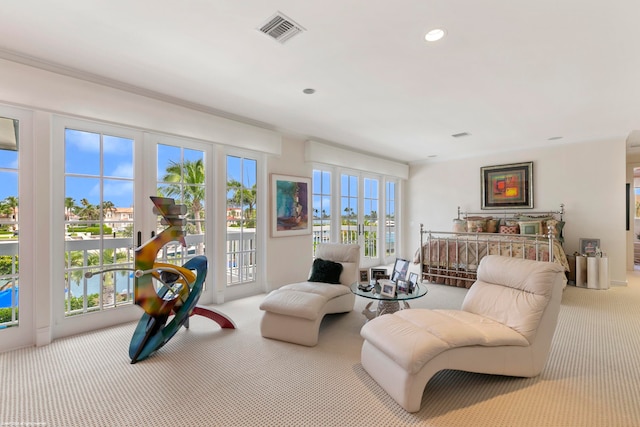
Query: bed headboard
{"points": [[512, 221], [511, 213]]}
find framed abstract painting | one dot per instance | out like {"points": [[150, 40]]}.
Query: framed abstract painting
{"points": [[507, 186], [291, 203]]}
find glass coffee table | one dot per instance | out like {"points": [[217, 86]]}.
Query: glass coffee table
{"points": [[387, 304]]}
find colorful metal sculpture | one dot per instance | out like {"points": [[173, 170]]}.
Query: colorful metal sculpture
{"points": [[180, 291]]}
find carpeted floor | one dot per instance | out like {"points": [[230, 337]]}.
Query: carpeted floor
{"points": [[206, 376]]}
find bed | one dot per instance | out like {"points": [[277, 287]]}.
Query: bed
{"points": [[452, 257]]}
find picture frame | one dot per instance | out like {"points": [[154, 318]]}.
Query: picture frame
{"points": [[290, 205], [378, 273], [588, 246], [364, 276], [507, 186], [402, 286], [388, 288], [413, 282], [400, 269]]}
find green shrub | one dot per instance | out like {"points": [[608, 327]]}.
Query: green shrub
{"points": [[5, 315], [94, 230]]}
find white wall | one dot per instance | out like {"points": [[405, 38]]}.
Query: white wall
{"points": [[288, 258], [589, 178]]}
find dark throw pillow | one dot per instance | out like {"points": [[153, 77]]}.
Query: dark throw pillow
{"points": [[325, 271]]}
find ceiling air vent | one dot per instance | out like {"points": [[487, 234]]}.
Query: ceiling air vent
{"points": [[280, 28]]}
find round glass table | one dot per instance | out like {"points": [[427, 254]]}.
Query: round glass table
{"points": [[386, 304]]}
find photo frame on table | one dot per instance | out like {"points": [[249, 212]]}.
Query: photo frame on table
{"points": [[388, 288], [290, 205], [400, 269], [413, 282], [364, 276], [507, 186], [588, 247], [402, 286], [378, 273]]}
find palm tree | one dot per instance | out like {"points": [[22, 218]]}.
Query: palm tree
{"points": [[108, 206], [186, 185], [11, 203], [88, 211], [69, 207], [242, 196]]}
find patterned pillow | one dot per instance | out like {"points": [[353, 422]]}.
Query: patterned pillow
{"points": [[492, 225], [556, 225], [459, 226], [530, 227], [476, 225], [509, 229]]}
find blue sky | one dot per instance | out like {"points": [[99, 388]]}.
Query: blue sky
{"points": [[82, 166], [8, 174]]}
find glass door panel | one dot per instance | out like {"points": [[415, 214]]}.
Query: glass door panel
{"points": [[181, 175], [98, 220], [9, 224]]}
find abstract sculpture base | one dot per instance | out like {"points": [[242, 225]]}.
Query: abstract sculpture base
{"points": [[153, 332]]}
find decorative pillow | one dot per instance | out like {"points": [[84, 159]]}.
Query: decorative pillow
{"points": [[509, 229], [492, 225], [476, 225], [556, 226], [509, 222], [459, 226], [530, 227], [325, 271]]}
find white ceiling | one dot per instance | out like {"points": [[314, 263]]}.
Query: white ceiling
{"points": [[512, 74]]}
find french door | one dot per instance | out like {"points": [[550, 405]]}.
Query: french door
{"points": [[17, 283], [359, 211], [107, 175]]}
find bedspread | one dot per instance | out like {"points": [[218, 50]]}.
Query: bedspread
{"points": [[457, 256]]}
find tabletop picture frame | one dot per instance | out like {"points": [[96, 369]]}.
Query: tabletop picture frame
{"points": [[507, 186], [400, 268], [589, 246], [388, 289], [364, 276], [378, 273], [402, 286], [413, 282]]}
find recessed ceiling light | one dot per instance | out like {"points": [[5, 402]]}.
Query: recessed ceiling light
{"points": [[434, 35], [309, 91]]}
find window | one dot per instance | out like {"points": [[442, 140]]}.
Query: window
{"points": [[390, 219], [349, 209], [365, 213], [98, 224], [370, 220], [241, 219], [181, 175], [321, 203], [9, 223]]}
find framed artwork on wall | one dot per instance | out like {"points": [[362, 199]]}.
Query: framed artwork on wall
{"points": [[507, 186], [290, 205]]}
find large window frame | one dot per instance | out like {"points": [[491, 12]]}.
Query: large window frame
{"points": [[23, 314], [353, 200]]}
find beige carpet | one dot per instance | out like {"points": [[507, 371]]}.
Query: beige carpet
{"points": [[207, 376]]}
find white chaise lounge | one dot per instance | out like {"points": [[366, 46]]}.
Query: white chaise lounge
{"points": [[293, 313], [505, 327]]}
